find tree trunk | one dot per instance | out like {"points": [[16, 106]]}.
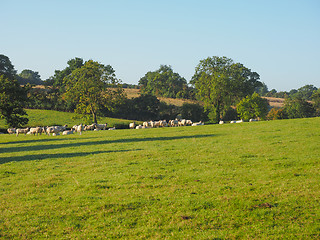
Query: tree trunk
{"points": [[94, 116]]}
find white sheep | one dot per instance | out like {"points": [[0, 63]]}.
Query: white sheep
{"points": [[22, 130], [67, 132], [90, 127], [188, 122], [197, 124], [11, 130], [132, 125], [55, 129], [101, 126], [35, 130]]}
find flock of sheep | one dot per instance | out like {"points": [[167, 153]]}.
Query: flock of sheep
{"points": [[164, 123], [57, 130], [62, 130]]}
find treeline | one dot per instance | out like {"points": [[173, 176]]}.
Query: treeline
{"points": [[224, 89]]}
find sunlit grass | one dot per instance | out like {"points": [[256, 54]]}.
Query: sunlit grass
{"points": [[235, 181]]}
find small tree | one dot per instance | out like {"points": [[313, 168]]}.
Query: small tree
{"points": [[253, 107], [276, 113]]}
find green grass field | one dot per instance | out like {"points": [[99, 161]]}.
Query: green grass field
{"points": [[257, 180], [50, 118]]}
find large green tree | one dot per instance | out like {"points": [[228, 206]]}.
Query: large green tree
{"points": [[164, 82], [12, 96], [91, 88], [220, 83]]}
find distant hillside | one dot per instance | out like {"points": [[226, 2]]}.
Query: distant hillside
{"points": [[132, 93]]}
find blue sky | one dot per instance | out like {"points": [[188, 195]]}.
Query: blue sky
{"points": [[279, 39]]}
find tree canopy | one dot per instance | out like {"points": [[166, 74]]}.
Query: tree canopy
{"points": [[163, 82], [29, 76], [12, 96], [87, 88], [220, 82], [253, 107]]}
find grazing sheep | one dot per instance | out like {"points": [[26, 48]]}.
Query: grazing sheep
{"points": [[163, 123], [101, 126], [174, 123], [90, 127], [188, 122], [55, 129], [67, 132], [22, 130], [35, 130], [11, 130], [78, 128], [182, 122], [132, 125], [197, 124]]}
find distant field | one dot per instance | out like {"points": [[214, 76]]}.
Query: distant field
{"points": [[131, 93], [255, 180]]}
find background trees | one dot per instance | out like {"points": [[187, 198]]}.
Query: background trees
{"points": [[165, 83], [298, 108], [219, 83], [12, 96], [29, 76]]}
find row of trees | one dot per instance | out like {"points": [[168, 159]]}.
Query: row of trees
{"points": [[227, 90]]}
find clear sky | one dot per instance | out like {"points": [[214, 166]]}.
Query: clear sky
{"points": [[279, 39]]}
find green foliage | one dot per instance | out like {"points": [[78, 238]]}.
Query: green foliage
{"points": [[194, 112], [253, 107], [316, 101], [6, 67], [277, 113], [248, 181], [29, 76], [298, 108], [87, 88], [220, 82], [164, 82], [304, 92], [12, 96]]}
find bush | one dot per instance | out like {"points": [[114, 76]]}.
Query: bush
{"points": [[298, 108], [194, 112], [276, 113]]}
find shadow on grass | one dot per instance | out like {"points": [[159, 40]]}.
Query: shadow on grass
{"points": [[55, 155], [89, 143], [41, 140]]}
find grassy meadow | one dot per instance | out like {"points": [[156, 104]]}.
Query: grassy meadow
{"points": [[258, 180], [51, 118]]}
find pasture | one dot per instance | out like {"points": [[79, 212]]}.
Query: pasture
{"points": [[257, 180], [50, 118]]}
